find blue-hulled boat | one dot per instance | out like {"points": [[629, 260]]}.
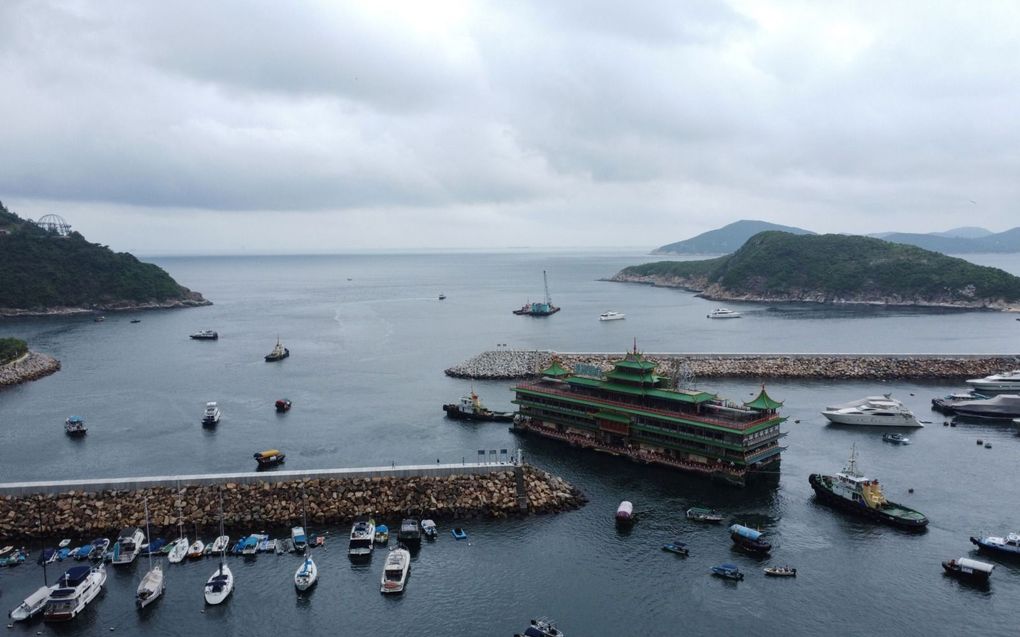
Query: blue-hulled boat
{"points": [[679, 548], [728, 571], [251, 545], [458, 533], [83, 552], [154, 547], [749, 539], [1009, 545]]}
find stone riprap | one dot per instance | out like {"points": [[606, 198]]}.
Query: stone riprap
{"points": [[253, 506], [509, 365], [29, 367]]}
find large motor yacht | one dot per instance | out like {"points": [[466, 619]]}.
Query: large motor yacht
{"points": [[873, 411], [723, 313], [394, 576], [75, 589], [1006, 382], [1000, 407], [128, 546], [362, 538]]}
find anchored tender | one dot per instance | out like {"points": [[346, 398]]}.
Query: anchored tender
{"points": [[632, 412]]}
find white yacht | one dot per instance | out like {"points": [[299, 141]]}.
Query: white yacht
{"points": [[211, 415], [75, 589], [196, 550], [129, 544], [873, 411], [723, 313], [32, 605], [307, 574], [179, 550], [612, 316], [362, 538], [1006, 382], [394, 576], [219, 585], [152, 585]]}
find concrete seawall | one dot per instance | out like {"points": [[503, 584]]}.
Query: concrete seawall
{"points": [[255, 500], [517, 364]]}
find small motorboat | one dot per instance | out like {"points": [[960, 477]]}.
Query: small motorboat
{"points": [[297, 536], [382, 534], [679, 548], [13, 559], [542, 627], [100, 546], [394, 576], [428, 527], [458, 533], [1009, 545], [442, 297], [32, 605], [409, 533], [250, 546], [83, 552], [699, 514], [283, 405], [155, 547], [780, 571], [99, 319], [136, 320], [269, 458], [64, 543], [896, 438], [723, 313], [612, 316], [205, 335], [75, 426], [625, 513], [728, 571], [968, 569]]}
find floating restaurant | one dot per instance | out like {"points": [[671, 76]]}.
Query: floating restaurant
{"points": [[632, 412]]}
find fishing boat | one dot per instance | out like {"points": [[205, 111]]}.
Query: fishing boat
{"points": [[395, 571], [541, 627], [428, 527], [220, 584], [362, 538], [382, 534], [748, 539], [129, 544], [283, 405], [471, 408], [723, 313], [680, 548], [780, 571], [612, 316], [269, 458], [699, 514], [852, 491], [152, 585], [874, 411], [205, 335], [625, 514], [278, 354], [1008, 546], [458, 533], [728, 571], [410, 533], [896, 438], [75, 426], [968, 569], [539, 309], [73, 592], [32, 605], [212, 414]]}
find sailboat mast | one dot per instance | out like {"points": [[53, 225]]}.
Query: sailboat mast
{"points": [[223, 549], [304, 516], [148, 536]]}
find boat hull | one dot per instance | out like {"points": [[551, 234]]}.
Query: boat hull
{"points": [[866, 420], [828, 497], [977, 577], [995, 549], [454, 412]]}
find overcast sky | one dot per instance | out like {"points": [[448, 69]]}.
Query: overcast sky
{"points": [[260, 127]]}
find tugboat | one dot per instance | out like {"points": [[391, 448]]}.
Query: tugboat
{"points": [[539, 309], [471, 408], [278, 354], [1009, 545], [75, 426], [851, 491], [205, 335], [967, 569], [283, 405], [269, 458], [749, 539]]}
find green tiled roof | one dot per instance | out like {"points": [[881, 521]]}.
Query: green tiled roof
{"points": [[763, 402], [691, 397], [555, 370]]}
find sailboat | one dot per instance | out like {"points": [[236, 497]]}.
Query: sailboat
{"points": [[34, 603], [221, 583], [539, 309], [153, 584], [181, 544], [307, 574]]}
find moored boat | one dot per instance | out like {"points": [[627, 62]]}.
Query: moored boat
{"points": [[699, 514], [196, 550], [680, 548], [410, 533], [32, 605], [221, 583], [625, 514], [873, 411], [100, 546], [896, 438], [307, 574], [75, 426], [428, 527], [395, 571], [382, 534], [212, 414], [968, 569], [179, 550], [250, 546], [780, 571], [278, 354], [269, 458], [852, 491], [458, 533], [945, 404], [1008, 546], [130, 542], [1000, 407], [153, 584], [362, 538], [73, 592], [471, 408], [728, 571], [1004, 382], [749, 539], [297, 536], [723, 313], [205, 335]]}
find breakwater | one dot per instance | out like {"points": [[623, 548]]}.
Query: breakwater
{"points": [[255, 501], [510, 365], [29, 367]]}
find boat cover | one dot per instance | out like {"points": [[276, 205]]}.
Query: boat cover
{"points": [[745, 532], [75, 576], [975, 565], [625, 510]]}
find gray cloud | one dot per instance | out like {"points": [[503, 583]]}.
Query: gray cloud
{"points": [[552, 123]]}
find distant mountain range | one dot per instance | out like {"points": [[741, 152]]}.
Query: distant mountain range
{"points": [[964, 240]]}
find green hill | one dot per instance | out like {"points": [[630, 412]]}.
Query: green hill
{"points": [[780, 267], [726, 239], [43, 272]]}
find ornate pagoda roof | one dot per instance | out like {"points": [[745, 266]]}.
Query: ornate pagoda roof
{"points": [[763, 402], [556, 370]]}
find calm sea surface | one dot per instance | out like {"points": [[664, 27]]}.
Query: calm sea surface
{"points": [[369, 341]]}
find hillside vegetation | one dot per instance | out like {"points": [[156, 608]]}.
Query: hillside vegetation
{"points": [[40, 271], [779, 266], [11, 348]]}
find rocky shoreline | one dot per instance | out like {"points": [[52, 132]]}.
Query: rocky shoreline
{"points": [[254, 506], [29, 367], [194, 299], [512, 365]]}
